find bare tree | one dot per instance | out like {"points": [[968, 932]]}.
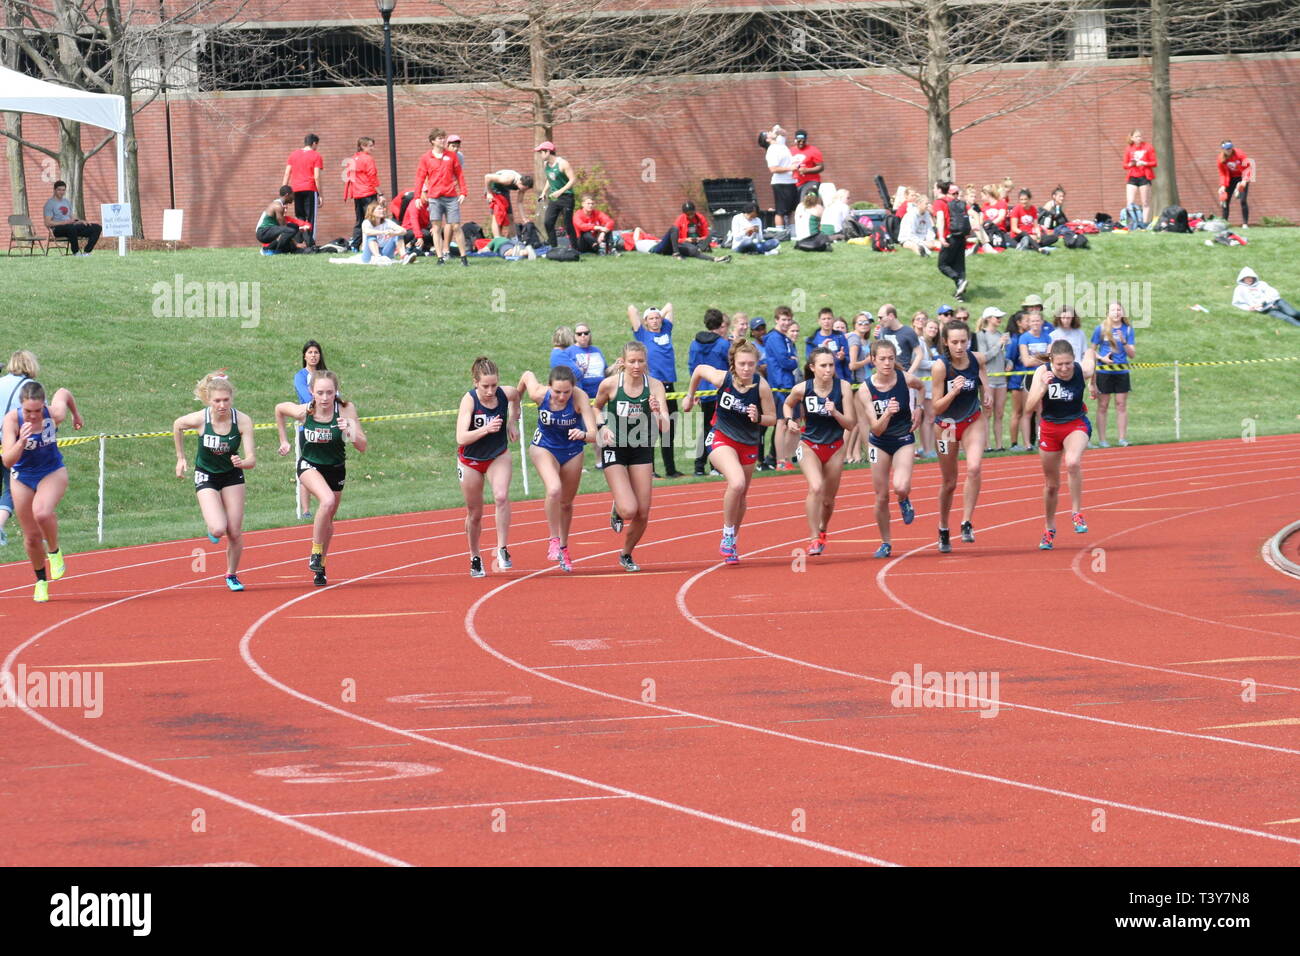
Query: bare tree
{"points": [[964, 62]]}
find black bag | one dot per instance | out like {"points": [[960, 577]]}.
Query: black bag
{"points": [[563, 254], [854, 229], [1173, 219], [529, 234], [472, 232], [881, 240], [892, 223], [817, 242], [1075, 240], [960, 219]]}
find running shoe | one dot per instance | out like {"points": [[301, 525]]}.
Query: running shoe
{"points": [[1103, 444], [784, 466], [4, 537], [625, 560], [319, 579], [885, 550], [615, 520], [316, 562], [817, 546], [42, 592], [566, 563], [213, 538], [1123, 443], [945, 547], [961, 289], [727, 548], [553, 550], [503, 560], [906, 510], [1080, 526], [476, 567], [464, 260], [968, 532], [304, 516], [1049, 536], [233, 583], [56, 565]]}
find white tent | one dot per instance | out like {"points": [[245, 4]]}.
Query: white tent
{"points": [[20, 93]]}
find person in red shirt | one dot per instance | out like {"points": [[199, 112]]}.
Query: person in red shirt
{"points": [[419, 238], [595, 228], [360, 183], [1236, 173], [440, 180], [952, 245], [302, 175], [808, 164], [1024, 221], [687, 237], [1140, 168]]}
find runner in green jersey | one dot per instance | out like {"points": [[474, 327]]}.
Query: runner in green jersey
{"points": [[225, 453], [327, 424]]}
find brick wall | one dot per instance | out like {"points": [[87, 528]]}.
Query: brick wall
{"points": [[230, 149]]}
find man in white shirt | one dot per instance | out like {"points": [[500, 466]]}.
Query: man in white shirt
{"points": [[782, 166], [747, 233]]}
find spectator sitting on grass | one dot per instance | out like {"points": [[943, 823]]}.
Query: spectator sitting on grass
{"points": [[595, 229], [916, 231], [747, 233], [808, 217], [1253, 294], [381, 238], [1025, 231], [272, 231], [687, 237], [836, 214]]}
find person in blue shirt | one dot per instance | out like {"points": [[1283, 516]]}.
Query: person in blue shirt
{"points": [[562, 349], [1113, 340], [589, 361], [1016, 383], [1033, 345], [826, 335], [313, 359], [653, 328], [713, 349], [782, 359], [22, 367]]}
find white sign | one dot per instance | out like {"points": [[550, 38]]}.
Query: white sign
{"points": [[116, 218], [172, 219]]}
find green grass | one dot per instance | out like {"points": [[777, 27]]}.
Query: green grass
{"points": [[402, 340]]}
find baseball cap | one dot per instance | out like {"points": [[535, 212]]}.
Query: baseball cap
{"points": [[801, 134], [545, 147], [1226, 144], [649, 312], [864, 314], [1032, 300], [992, 310], [453, 138], [944, 310], [758, 322]]}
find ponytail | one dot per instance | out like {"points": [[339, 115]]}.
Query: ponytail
{"points": [[483, 366], [217, 381]]}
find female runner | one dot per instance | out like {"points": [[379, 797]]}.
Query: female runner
{"points": [[886, 400], [959, 384], [482, 452], [37, 475], [1059, 386], [629, 437], [313, 360], [744, 408], [565, 423], [219, 467], [328, 424], [827, 402]]}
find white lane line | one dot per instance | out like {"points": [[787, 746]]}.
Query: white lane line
{"points": [[454, 806]]}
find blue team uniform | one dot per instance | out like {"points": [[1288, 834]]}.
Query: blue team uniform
{"points": [[41, 455], [552, 432]]}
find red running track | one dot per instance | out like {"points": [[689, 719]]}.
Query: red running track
{"points": [[1146, 705]]}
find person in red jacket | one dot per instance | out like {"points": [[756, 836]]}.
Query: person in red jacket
{"points": [[360, 183], [1236, 173], [1140, 168], [302, 175], [595, 228], [419, 237], [440, 180], [687, 237]]}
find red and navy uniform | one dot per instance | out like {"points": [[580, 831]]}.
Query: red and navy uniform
{"points": [[822, 432], [731, 425], [965, 408], [1063, 411], [899, 431], [478, 455]]}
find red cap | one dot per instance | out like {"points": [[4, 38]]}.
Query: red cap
{"points": [[546, 147]]}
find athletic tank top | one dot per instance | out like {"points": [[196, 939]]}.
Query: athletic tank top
{"points": [[552, 430], [41, 450], [494, 443], [632, 423], [821, 427], [555, 178], [732, 415], [214, 449], [322, 442], [968, 402], [1064, 400], [901, 424]]}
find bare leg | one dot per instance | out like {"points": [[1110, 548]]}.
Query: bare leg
{"points": [[811, 466], [232, 499], [471, 486], [973, 441], [498, 475], [641, 479]]}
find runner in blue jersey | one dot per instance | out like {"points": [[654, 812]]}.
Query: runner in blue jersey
{"points": [[37, 476], [961, 391], [565, 424], [828, 412], [1059, 387], [745, 406], [483, 452], [886, 400]]}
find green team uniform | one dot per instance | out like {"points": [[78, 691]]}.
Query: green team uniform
{"points": [[634, 426], [212, 465], [324, 449], [555, 178]]}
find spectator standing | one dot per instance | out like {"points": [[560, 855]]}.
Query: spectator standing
{"points": [[588, 361], [497, 188], [950, 229], [710, 347], [1115, 346], [595, 228], [653, 328], [859, 340], [1253, 294], [808, 166], [361, 185], [1069, 328], [440, 182], [826, 335], [1236, 173], [747, 235], [559, 193], [780, 162], [782, 359], [454, 146], [302, 175], [1140, 170], [903, 338], [992, 342], [562, 349], [924, 356], [60, 221]]}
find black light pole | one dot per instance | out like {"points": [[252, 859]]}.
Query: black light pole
{"points": [[386, 10]]}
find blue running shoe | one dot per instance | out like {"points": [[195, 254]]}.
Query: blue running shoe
{"points": [[728, 548], [906, 510], [1047, 543], [213, 538], [884, 551], [233, 583], [1080, 526]]}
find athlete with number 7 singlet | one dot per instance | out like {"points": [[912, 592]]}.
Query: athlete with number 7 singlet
{"points": [[960, 387]]}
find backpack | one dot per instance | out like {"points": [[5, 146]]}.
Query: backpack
{"points": [[1074, 240], [960, 224], [881, 241], [817, 242], [854, 229], [563, 254], [472, 232], [529, 234], [1173, 219]]}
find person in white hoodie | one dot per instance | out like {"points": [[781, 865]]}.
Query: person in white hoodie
{"points": [[1253, 294], [916, 231]]}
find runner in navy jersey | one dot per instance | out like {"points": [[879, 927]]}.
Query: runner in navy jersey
{"points": [[482, 437], [1060, 387], [960, 386], [565, 424], [828, 411], [886, 400], [744, 407]]}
